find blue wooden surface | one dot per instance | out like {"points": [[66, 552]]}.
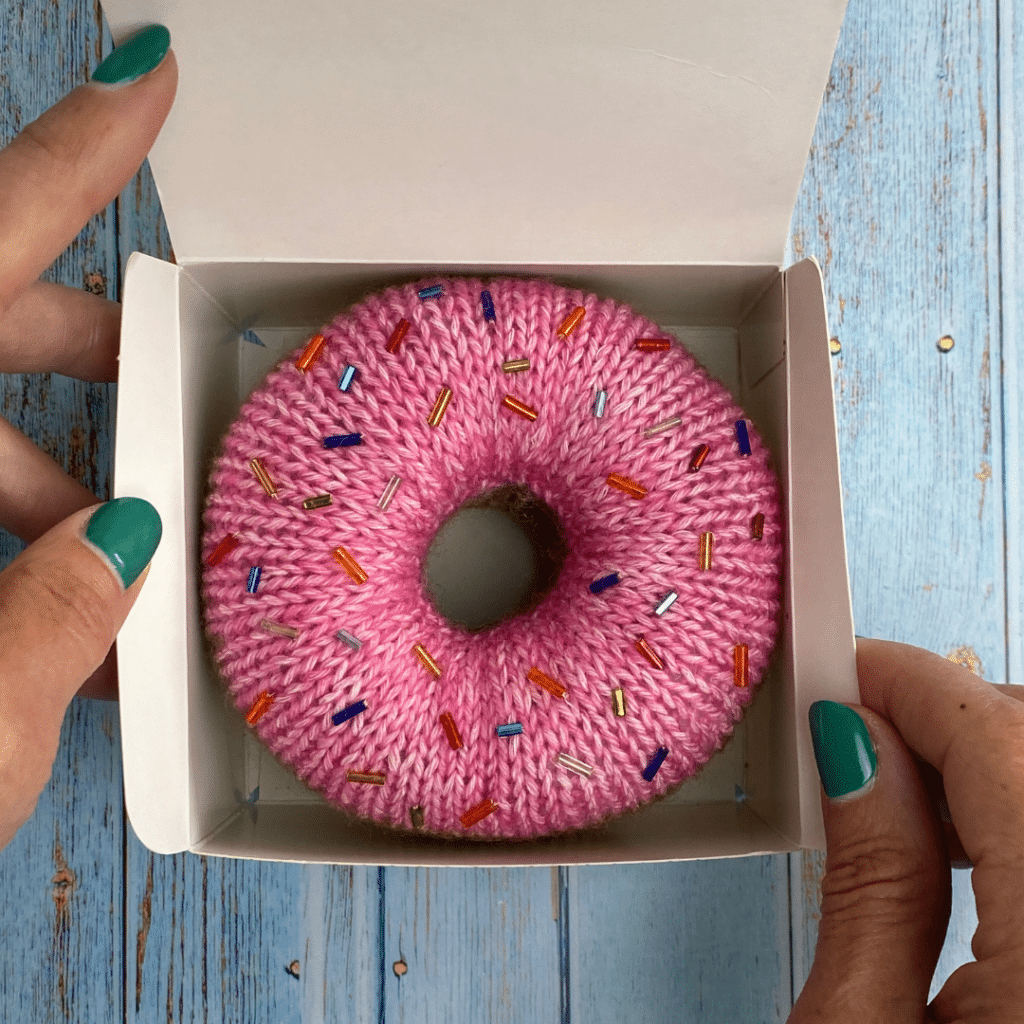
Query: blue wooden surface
{"points": [[909, 202]]}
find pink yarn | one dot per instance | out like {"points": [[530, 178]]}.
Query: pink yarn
{"points": [[583, 640]]}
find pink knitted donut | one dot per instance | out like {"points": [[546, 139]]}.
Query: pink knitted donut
{"points": [[365, 719]]}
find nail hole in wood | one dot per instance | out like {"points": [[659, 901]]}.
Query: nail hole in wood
{"points": [[400, 967], [293, 968], [834, 347], [945, 343]]}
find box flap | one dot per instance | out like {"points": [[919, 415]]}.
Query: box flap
{"points": [[674, 131]]}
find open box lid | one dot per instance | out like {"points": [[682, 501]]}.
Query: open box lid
{"points": [[542, 131]]}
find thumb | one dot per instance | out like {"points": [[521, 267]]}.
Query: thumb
{"points": [[886, 891], [62, 601]]}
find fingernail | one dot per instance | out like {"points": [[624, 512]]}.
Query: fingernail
{"points": [[842, 747], [127, 531], [135, 57]]}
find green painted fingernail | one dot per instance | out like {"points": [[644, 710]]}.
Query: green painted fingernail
{"points": [[842, 747], [127, 531], [135, 57]]}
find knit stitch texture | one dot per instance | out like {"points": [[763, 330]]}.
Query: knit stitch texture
{"points": [[583, 640]]}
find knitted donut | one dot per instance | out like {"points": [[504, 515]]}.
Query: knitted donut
{"points": [[650, 499]]}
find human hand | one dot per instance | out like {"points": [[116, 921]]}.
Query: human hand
{"points": [[64, 598], [886, 890]]}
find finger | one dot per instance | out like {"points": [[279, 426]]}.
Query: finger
{"points": [[35, 493], [973, 734], [70, 163], [886, 889], [53, 328], [62, 601]]}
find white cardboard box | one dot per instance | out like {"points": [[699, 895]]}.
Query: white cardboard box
{"points": [[651, 153]]}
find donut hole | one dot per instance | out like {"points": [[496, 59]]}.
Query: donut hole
{"points": [[496, 556]]}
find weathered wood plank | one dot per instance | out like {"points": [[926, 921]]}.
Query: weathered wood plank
{"points": [[249, 942], [62, 879], [700, 941], [472, 945], [899, 204]]}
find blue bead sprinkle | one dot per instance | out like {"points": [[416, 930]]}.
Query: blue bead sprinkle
{"points": [[488, 303], [254, 579], [512, 729], [350, 712], [656, 762], [347, 377], [343, 440], [432, 292], [604, 583], [742, 437]]}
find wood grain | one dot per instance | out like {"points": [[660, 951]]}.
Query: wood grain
{"points": [[61, 877], [900, 205], [478, 945]]}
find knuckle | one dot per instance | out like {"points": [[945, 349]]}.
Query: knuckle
{"points": [[49, 156], [869, 877], [70, 611]]}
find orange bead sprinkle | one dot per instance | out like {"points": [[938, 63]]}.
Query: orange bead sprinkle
{"points": [[571, 322], [652, 344], [440, 405], [350, 565], [478, 813], [260, 707], [524, 410], [641, 644], [311, 353], [707, 546], [630, 487], [757, 527], [400, 331], [741, 666], [553, 686], [451, 730], [370, 778], [222, 550], [698, 458], [428, 662]]}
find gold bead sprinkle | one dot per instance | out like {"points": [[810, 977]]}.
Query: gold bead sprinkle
{"points": [[630, 487], [440, 405], [428, 662], [707, 546], [571, 322], [619, 702], [276, 627], [369, 778], [524, 410], [741, 666], [757, 527], [660, 428], [350, 565], [264, 478], [515, 365], [317, 501]]}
